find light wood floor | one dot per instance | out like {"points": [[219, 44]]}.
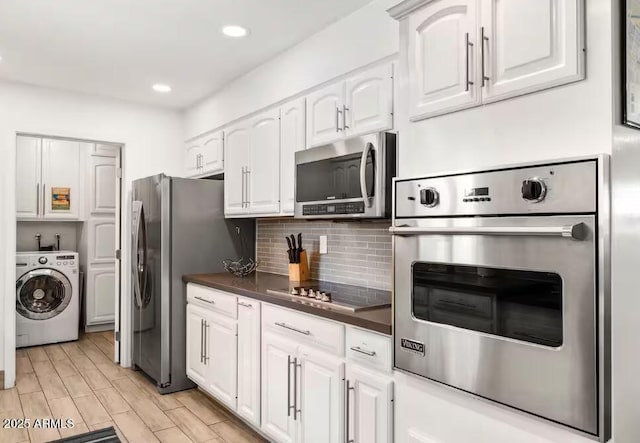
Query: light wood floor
{"points": [[79, 381]]}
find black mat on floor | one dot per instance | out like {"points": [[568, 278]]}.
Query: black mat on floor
{"points": [[106, 435]]}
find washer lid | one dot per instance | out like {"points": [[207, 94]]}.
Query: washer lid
{"points": [[42, 294]]}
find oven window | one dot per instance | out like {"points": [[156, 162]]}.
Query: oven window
{"points": [[336, 178], [522, 305]]}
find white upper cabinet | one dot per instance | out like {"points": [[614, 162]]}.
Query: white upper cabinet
{"points": [[28, 164], [263, 174], [359, 105], [442, 58], [530, 45], [212, 150], [102, 184], [192, 158], [236, 191], [292, 139], [325, 115], [48, 178], [462, 53], [204, 155], [369, 101]]}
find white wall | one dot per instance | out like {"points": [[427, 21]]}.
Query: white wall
{"points": [[152, 139], [571, 120], [26, 231], [363, 37]]}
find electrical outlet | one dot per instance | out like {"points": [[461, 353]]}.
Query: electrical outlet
{"points": [[323, 244]]}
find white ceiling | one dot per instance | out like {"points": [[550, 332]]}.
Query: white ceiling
{"points": [[119, 48]]}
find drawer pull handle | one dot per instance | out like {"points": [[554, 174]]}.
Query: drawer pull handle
{"points": [[286, 326], [246, 305], [211, 302], [362, 351]]}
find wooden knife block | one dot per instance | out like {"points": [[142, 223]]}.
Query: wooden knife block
{"points": [[299, 271]]}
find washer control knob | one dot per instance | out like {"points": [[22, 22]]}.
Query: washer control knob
{"points": [[42, 260], [534, 189], [429, 197]]}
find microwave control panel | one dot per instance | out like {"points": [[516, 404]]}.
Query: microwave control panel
{"points": [[333, 208]]}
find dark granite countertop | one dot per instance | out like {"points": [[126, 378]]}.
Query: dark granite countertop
{"points": [[256, 286]]}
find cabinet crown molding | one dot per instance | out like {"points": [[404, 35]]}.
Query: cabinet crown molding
{"points": [[403, 9]]}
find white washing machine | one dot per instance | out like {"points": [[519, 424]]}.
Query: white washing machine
{"points": [[47, 297]]}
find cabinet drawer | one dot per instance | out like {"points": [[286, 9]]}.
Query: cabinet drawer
{"points": [[369, 349], [218, 301], [323, 334]]}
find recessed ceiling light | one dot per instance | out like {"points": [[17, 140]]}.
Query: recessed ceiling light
{"points": [[234, 31], [159, 87]]}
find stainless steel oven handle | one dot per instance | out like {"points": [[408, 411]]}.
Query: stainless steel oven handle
{"points": [[363, 174], [576, 231]]}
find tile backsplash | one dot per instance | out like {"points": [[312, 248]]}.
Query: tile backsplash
{"points": [[359, 253]]}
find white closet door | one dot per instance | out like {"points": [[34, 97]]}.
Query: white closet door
{"points": [[531, 45], [292, 132], [369, 98], [102, 181], [100, 287], [443, 58], [28, 192], [61, 173], [102, 240]]}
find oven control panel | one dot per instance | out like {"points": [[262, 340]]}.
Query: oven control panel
{"points": [[555, 188]]}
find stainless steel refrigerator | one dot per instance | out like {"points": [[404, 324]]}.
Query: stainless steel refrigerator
{"points": [[178, 228]]}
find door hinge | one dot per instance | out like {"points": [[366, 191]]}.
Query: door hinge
{"points": [[117, 336], [119, 172], [118, 254]]}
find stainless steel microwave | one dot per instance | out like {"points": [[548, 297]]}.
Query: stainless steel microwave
{"points": [[347, 179]]}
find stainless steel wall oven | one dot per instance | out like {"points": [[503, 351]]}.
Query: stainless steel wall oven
{"points": [[502, 286]]}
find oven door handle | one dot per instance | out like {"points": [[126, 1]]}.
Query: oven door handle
{"points": [[363, 174], [576, 231]]}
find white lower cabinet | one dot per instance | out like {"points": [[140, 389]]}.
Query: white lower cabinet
{"points": [[279, 412], [196, 364], [285, 372], [223, 348], [369, 405], [249, 360], [222, 369], [321, 392]]}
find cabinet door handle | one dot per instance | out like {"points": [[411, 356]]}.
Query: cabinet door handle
{"points": [[291, 328], [247, 178], [211, 302], [484, 40], [201, 340], [296, 411], [467, 45], [348, 393], [242, 186], [338, 112], [289, 407], [37, 199], [246, 305], [363, 351], [344, 117], [206, 342]]}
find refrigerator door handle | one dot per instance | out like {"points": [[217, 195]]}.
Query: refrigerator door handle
{"points": [[137, 215], [165, 283]]}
